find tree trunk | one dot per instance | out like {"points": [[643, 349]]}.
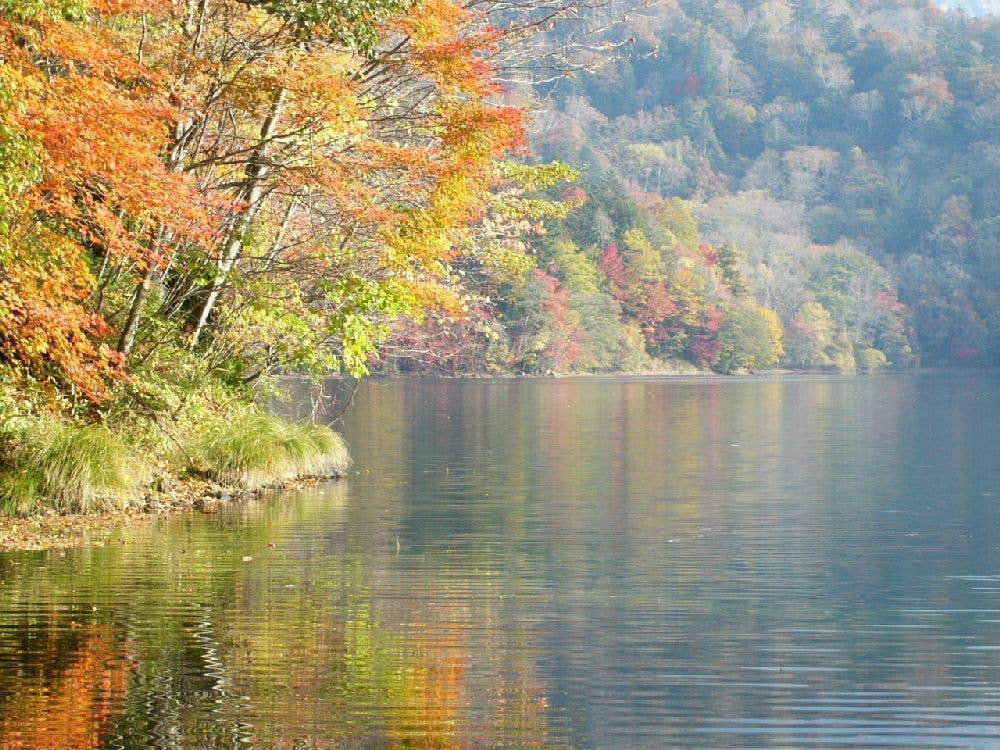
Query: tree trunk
{"points": [[127, 340], [251, 193]]}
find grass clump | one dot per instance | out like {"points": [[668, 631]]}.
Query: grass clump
{"points": [[68, 467], [253, 449]]}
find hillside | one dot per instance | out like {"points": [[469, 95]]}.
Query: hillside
{"points": [[795, 128], [842, 159]]}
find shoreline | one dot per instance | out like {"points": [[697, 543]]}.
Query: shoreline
{"points": [[679, 374], [55, 531]]}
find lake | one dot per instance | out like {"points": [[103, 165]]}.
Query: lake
{"points": [[587, 563]]}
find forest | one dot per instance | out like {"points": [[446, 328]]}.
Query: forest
{"points": [[199, 197], [811, 185]]}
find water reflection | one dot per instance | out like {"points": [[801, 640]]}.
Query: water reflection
{"points": [[571, 563], [70, 682]]}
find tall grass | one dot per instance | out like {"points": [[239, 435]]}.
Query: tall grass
{"points": [[68, 467], [252, 449]]}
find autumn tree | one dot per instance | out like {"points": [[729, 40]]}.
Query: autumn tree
{"points": [[750, 338], [87, 197]]}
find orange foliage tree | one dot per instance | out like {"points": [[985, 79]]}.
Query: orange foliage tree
{"points": [[84, 125], [263, 183]]}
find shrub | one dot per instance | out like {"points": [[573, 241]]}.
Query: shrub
{"points": [[871, 359], [751, 337], [253, 449], [71, 468]]}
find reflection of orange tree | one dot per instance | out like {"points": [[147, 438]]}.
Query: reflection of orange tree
{"points": [[75, 708], [420, 673], [403, 688], [435, 696], [343, 675]]}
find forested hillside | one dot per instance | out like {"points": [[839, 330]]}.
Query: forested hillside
{"points": [[823, 141], [834, 165]]}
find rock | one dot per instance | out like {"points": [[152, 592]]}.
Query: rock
{"points": [[163, 484], [156, 507], [222, 495], [153, 504], [209, 504]]}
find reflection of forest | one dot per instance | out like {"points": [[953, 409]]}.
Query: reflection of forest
{"points": [[70, 682], [681, 527], [520, 563], [299, 645]]}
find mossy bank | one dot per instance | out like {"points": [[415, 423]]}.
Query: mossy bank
{"points": [[64, 474], [48, 530]]}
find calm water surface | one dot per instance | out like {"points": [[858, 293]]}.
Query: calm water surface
{"points": [[572, 563]]}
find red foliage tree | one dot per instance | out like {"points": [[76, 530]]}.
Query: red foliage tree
{"points": [[564, 338], [703, 343], [613, 265], [658, 313]]}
